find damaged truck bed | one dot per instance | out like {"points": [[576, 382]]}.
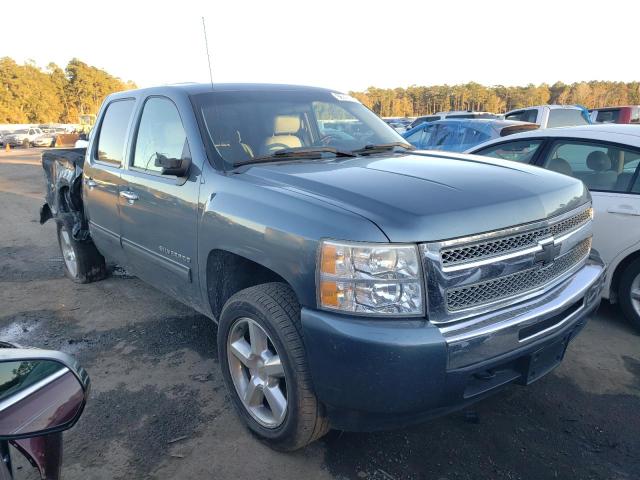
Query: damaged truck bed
{"points": [[63, 171]]}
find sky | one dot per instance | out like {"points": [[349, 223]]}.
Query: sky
{"points": [[345, 45]]}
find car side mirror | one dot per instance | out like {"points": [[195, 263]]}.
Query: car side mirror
{"points": [[173, 166], [41, 392]]}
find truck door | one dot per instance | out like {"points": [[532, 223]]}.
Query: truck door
{"points": [[159, 212], [102, 178]]}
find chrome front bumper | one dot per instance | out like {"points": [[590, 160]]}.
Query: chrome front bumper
{"points": [[488, 336]]}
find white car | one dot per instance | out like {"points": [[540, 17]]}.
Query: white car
{"points": [[551, 116], [23, 137], [606, 158]]}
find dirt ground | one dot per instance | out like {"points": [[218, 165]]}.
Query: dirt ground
{"points": [[159, 409]]}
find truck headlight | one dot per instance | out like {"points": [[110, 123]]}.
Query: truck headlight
{"points": [[374, 279]]}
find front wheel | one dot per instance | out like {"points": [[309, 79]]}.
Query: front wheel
{"points": [[82, 261], [629, 292], [265, 369]]}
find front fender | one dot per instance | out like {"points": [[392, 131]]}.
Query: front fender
{"points": [[275, 228]]}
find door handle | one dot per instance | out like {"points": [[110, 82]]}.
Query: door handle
{"points": [[130, 196], [624, 210], [90, 182]]}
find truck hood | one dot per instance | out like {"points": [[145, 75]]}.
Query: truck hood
{"points": [[430, 196]]}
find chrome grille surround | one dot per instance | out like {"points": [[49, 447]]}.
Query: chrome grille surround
{"points": [[506, 275], [467, 253], [525, 280]]}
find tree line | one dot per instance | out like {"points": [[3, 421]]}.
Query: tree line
{"points": [[420, 100], [29, 94]]}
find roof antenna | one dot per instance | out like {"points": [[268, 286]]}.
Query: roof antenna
{"points": [[206, 44]]}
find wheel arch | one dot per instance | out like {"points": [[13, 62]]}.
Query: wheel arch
{"points": [[617, 273], [227, 273]]}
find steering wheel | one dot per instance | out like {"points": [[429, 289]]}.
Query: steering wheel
{"points": [[328, 139], [278, 147]]}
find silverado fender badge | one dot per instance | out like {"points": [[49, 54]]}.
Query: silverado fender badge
{"points": [[172, 253]]}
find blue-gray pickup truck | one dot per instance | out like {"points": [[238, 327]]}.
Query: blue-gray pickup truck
{"points": [[356, 283]]}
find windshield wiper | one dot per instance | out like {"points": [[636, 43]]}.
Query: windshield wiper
{"points": [[383, 147], [304, 152]]}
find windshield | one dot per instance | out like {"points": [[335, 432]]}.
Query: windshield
{"points": [[244, 125]]}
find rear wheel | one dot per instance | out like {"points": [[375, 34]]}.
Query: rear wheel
{"points": [[82, 261], [629, 292], [264, 367]]}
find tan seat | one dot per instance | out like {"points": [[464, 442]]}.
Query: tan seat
{"points": [[560, 165], [285, 134], [601, 176]]}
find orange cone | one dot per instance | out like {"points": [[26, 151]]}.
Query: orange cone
{"points": [[7, 147]]}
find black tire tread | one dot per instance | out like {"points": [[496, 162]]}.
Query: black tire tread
{"points": [[624, 288], [281, 303], [91, 263]]}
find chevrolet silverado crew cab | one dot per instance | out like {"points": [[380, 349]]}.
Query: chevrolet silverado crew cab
{"points": [[357, 284]]}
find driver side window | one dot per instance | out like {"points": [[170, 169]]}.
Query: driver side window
{"points": [[160, 132]]}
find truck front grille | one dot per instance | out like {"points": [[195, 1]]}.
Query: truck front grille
{"points": [[473, 275], [482, 250], [516, 283]]}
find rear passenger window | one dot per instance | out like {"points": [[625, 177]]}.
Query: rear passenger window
{"points": [[113, 131], [523, 116], [473, 137], [600, 166], [519, 151], [608, 116], [565, 117], [160, 133]]}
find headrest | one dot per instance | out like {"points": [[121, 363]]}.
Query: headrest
{"points": [[560, 165], [286, 124], [598, 161]]}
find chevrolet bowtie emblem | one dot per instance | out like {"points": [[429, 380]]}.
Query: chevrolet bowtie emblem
{"points": [[548, 253]]}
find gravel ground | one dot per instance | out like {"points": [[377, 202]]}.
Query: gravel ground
{"points": [[159, 409]]}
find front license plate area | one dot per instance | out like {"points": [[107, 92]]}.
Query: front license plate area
{"points": [[544, 360]]}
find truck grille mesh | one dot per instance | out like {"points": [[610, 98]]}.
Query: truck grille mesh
{"points": [[517, 283], [468, 253]]}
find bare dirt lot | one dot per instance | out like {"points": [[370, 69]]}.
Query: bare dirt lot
{"points": [[158, 407]]}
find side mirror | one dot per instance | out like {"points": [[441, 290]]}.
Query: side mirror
{"points": [[173, 166], [41, 392]]}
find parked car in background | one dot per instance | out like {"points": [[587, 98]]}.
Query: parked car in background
{"points": [[607, 159], [24, 137], [42, 393], [626, 114], [459, 135], [45, 140], [3, 134], [400, 125], [457, 114], [551, 116]]}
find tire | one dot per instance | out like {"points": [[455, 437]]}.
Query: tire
{"points": [[275, 310], [82, 261], [25, 143], [629, 292]]}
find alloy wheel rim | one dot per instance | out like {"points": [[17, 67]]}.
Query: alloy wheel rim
{"points": [[635, 294], [68, 254], [257, 372]]}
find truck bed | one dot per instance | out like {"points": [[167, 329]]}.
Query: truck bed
{"points": [[63, 200]]}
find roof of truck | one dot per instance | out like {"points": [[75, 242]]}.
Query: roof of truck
{"points": [[195, 88]]}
